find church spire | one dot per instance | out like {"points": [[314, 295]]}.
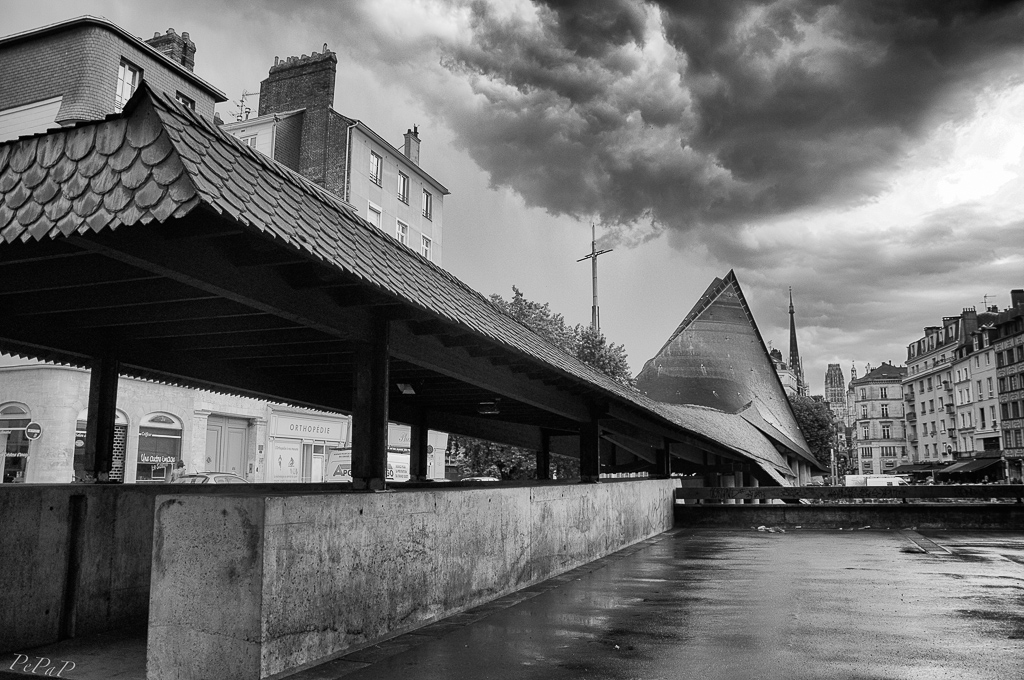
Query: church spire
{"points": [[794, 351]]}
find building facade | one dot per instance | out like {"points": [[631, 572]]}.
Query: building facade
{"points": [[835, 391], [158, 425], [298, 127], [1008, 345], [86, 68], [879, 438]]}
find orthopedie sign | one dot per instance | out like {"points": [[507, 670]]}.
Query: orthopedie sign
{"points": [[307, 427]]}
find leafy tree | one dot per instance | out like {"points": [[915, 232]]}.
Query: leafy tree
{"points": [[476, 457], [818, 425]]}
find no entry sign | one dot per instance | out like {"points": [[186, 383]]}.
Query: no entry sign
{"points": [[33, 430]]}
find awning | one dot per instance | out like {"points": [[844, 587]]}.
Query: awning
{"points": [[921, 467], [972, 465]]}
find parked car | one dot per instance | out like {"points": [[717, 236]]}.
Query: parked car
{"points": [[209, 478], [479, 479]]}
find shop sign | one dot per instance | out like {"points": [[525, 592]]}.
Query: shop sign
{"points": [[285, 460], [339, 466], [154, 459], [304, 427]]}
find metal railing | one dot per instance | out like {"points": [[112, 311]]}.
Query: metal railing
{"points": [[955, 493]]}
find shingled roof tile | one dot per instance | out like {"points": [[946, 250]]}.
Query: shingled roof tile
{"points": [[92, 164], [5, 154], [116, 200], [59, 173], [86, 204], [110, 138], [33, 176], [165, 208], [169, 170], [8, 180], [149, 195], [122, 159], [181, 190], [45, 192], [24, 156], [29, 213], [74, 186], [17, 196], [157, 151], [186, 207], [99, 219], [50, 150], [57, 208], [79, 142], [144, 127], [131, 213], [6, 215], [12, 231], [105, 180], [67, 224]]}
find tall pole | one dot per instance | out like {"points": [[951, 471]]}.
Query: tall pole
{"points": [[595, 311]]}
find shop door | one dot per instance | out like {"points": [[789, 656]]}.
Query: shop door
{"points": [[227, 441]]}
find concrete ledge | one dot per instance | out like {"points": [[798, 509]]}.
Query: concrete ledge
{"points": [[256, 585], [1005, 516]]}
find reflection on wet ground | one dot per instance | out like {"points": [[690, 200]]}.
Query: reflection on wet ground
{"points": [[747, 604]]}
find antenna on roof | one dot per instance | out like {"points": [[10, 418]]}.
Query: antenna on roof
{"points": [[243, 111], [985, 298]]}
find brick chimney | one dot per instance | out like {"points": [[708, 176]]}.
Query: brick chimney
{"points": [[305, 82], [1016, 298], [412, 145], [178, 48]]}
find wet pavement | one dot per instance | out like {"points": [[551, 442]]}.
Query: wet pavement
{"points": [[743, 604], [860, 604]]}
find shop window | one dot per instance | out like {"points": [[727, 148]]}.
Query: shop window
{"points": [[159, 447], [14, 418]]}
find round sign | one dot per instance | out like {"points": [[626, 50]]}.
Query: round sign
{"points": [[33, 430]]}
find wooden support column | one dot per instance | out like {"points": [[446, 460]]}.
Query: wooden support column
{"points": [[418, 451], [370, 410], [590, 451], [99, 430], [663, 462], [544, 456]]}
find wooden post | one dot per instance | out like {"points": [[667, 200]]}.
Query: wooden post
{"points": [[663, 461], [590, 451], [418, 450], [99, 429], [544, 456], [370, 411]]}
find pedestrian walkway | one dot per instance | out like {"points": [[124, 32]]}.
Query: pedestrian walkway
{"points": [[730, 604], [741, 604]]}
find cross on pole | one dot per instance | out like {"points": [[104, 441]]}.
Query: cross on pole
{"points": [[592, 256]]}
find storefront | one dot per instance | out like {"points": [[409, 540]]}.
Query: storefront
{"points": [[301, 443], [159, 447], [14, 443]]}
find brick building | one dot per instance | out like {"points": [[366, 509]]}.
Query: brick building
{"points": [[297, 126], [86, 68], [879, 439]]}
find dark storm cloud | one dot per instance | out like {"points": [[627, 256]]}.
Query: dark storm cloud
{"points": [[758, 110]]}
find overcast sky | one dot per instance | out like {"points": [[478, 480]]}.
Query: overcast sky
{"points": [[868, 154]]}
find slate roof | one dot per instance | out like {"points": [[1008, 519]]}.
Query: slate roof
{"points": [[716, 358], [158, 160]]}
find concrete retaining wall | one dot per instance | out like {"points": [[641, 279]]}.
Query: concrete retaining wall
{"points": [[248, 586], [1004, 516], [90, 580]]}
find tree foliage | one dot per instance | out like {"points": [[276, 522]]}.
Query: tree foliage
{"points": [[581, 341], [477, 457], [818, 425]]}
